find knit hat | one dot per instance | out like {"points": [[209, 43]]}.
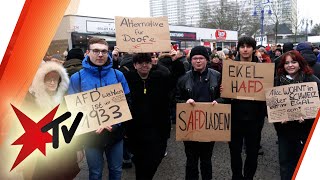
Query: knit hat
{"points": [[225, 51], [199, 50], [75, 53]]}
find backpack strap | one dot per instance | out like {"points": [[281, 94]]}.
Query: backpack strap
{"points": [[116, 74], [80, 81]]}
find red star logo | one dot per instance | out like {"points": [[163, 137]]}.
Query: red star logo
{"points": [[33, 138]]}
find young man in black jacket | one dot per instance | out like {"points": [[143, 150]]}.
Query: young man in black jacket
{"points": [[247, 119], [150, 127], [201, 84]]}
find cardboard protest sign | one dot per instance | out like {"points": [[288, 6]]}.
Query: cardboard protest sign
{"points": [[203, 122], [105, 105], [291, 102], [142, 34], [246, 80]]}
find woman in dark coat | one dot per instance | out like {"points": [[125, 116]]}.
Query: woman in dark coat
{"points": [[292, 135]]}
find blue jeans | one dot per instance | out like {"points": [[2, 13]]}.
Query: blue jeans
{"points": [[95, 161]]}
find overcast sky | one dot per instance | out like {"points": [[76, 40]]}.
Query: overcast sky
{"points": [[140, 8]]}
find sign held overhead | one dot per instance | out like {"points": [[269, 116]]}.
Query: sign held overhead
{"points": [[142, 35]]}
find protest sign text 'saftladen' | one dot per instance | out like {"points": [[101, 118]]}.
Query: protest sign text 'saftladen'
{"points": [[203, 122]]}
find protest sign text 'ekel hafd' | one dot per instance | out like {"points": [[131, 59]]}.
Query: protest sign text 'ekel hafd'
{"points": [[203, 122], [246, 80], [105, 105], [142, 34], [292, 102]]}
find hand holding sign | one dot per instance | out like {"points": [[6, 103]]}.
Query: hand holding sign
{"points": [[292, 102], [103, 127], [102, 108]]}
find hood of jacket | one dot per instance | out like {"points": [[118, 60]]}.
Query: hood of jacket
{"points": [[309, 56], [306, 52], [37, 88]]}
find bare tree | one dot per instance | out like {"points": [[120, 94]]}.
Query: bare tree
{"points": [[296, 25], [316, 29], [230, 16]]}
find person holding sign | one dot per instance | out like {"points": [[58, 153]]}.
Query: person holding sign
{"points": [[247, 121], [98, 72], [149, 130], [201, 84], [292, 135]]}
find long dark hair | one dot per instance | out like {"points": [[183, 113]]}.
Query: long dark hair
{"points": [[295, 55]]}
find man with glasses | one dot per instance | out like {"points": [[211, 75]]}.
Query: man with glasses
{"points": [[201, 84], [98, 72], [150, 128]]}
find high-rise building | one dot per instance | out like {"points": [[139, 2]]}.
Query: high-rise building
{"points": [[187, 12]]}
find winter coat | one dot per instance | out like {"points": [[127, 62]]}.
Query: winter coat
{"points": [[37, 88], [91, 77], [58, 163], [294, 128], [161, 68], [186, 86], [216, 66], [126, 63], [72, 66], [309, 56], [306, 52], [149, 107]]}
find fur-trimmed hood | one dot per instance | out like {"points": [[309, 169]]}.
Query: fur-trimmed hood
{"points": [[37, 89]]}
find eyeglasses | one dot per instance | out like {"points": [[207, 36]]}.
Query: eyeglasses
{"points": [[97, 51], [198, 58], [143, 63], [49, 80]]}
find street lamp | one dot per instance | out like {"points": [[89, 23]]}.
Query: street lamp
{"points": [[262, 6]]}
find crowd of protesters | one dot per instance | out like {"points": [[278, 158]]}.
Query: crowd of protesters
{"points": [[162, 79]]}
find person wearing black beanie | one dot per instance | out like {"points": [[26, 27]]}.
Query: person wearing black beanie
{"points": [[73, 61], [75, 53], [199, 50], [200, 84]]}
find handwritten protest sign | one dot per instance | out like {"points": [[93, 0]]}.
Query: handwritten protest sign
{"points": [[142, 34], [106, 105], [203, 122], [246, 80], [291, 102]]}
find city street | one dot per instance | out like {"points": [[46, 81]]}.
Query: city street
{"points": [[173, 165]]}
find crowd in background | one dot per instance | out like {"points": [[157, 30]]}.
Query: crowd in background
{"points": [[161, 79]]}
